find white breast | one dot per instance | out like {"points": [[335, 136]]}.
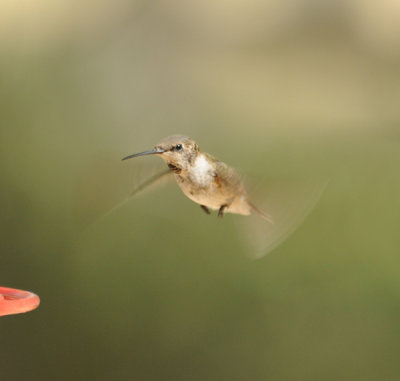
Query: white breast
{"points": [[202, 172]]}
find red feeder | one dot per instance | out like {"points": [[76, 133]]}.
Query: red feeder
{"points": [[14, 301]]}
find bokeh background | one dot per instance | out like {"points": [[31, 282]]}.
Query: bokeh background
{"points": [[157, 290]]}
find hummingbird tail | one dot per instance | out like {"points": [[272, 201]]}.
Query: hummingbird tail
{"points": [[289, 202], [262, 214]]}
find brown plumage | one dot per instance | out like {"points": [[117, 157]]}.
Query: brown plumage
{"points": [[203, 178]]}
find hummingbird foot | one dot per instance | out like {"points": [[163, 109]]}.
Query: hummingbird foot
{"points": [[205, 209], [221, 210]]}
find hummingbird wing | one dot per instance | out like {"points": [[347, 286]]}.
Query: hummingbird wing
{"points": [[150, 182], [153, 180], [288, 204], [103, 184]]}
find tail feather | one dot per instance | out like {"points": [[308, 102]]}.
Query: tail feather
{"points": [[262, 214], [289, 205]]}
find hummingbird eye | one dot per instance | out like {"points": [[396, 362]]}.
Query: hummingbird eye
{"points": [[178, 147]]}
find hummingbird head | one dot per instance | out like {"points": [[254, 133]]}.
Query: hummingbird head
{"points": [[178, 151]]}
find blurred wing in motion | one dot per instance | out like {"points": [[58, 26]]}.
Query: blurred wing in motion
{"points": [[286, 205], [104, 185], [149, 183]]}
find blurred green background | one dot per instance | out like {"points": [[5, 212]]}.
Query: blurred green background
{"points": [[158, 290]]}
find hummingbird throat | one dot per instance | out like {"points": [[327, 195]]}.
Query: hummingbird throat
{"points": [[174, 168]]}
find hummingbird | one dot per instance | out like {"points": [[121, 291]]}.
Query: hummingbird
{"points": [[203, 178]]}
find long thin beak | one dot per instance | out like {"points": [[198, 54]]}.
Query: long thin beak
{"points": [[153, 151]]}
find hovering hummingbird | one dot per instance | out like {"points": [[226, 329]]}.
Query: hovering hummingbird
{"points": [[203, 178], [214, 185]]}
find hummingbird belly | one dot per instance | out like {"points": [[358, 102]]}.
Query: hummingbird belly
{"points": [[214, 196]]}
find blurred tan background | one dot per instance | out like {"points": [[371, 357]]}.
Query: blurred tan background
{"points": [[158, 290]]}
